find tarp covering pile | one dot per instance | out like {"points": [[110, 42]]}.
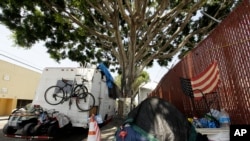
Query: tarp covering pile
{"points": [[156, 120]]}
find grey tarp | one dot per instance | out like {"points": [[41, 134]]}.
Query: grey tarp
{"points": [[162, 120]]}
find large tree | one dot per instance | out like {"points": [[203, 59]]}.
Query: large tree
{"points": [[127, 34]]}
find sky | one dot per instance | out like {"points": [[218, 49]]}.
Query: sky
{"points": [[36, 58]]}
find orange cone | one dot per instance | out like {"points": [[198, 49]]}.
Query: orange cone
{"points": [[94, 131]]}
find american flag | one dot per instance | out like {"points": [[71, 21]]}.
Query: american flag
{"points": [[206, 81]]}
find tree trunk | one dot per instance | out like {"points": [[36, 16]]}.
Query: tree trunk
{"points": [[128, 77]]}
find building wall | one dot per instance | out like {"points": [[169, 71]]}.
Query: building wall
{"points": [[16, 83], [145, 90], [143, 94]]}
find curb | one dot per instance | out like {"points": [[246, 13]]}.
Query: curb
{"points": [[4, 118]]}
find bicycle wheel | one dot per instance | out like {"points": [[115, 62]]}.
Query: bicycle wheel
{"points": [[85, 101], [79, 89], [54, 95]]}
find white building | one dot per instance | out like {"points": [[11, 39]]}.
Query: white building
{"points": [[144, 90]]}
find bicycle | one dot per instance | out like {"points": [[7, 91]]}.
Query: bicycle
{"points": [[56, 94]]}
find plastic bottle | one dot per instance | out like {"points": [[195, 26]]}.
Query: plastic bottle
{"points": [[224, 119], [197, 123], [215, 113]]}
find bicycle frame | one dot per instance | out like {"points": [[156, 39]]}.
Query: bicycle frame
{"points": [[73, 89], [71, 93], [69, 90]]}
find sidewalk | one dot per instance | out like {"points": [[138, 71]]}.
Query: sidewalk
{"points": [[108, 131], [4, 117]]}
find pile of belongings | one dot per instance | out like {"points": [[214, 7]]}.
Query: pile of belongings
{"points": [[155, 119], [205, 122]]}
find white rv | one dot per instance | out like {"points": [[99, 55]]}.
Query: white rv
{"points": [[96, 84]]}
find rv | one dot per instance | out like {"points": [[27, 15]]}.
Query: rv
{"points": [[73, 94], [96, 84]]}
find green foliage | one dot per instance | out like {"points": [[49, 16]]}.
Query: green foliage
{"points": [[142, 78], [128, 35]]}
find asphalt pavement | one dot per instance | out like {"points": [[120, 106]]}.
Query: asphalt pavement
{"points": [[108, 131]]}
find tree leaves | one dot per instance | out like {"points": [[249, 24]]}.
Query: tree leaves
{"points": [[124, 34]]}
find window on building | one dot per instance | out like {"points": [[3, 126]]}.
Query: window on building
{"points": [[22, 103]]}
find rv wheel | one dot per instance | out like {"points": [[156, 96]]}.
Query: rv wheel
{"points": [[28, 129], [37, 130], [8, 129], [53, 130]]}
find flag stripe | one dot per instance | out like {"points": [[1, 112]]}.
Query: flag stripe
{"points": [[206, 81], [202, 79], [208, 90], [203, 72], [211, 86]]}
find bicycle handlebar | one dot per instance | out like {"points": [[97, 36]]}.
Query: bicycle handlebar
{"points": [[66, 80], [84, 80]]}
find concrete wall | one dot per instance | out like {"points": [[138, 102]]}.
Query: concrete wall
{"points": [[16, 83]]}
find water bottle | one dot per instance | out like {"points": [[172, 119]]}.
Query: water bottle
{"points": [[215, 113], [197, 123], [224, 119]]}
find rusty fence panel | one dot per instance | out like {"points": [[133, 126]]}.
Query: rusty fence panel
{"points": [[229, 45]]}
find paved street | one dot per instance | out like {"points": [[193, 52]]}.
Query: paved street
{"points": [[77, 134]]}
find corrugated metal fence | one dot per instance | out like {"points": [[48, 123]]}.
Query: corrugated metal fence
{"points": [[229, 45]]}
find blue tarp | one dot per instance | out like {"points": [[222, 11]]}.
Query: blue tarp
{"points": [[109, 78]]}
